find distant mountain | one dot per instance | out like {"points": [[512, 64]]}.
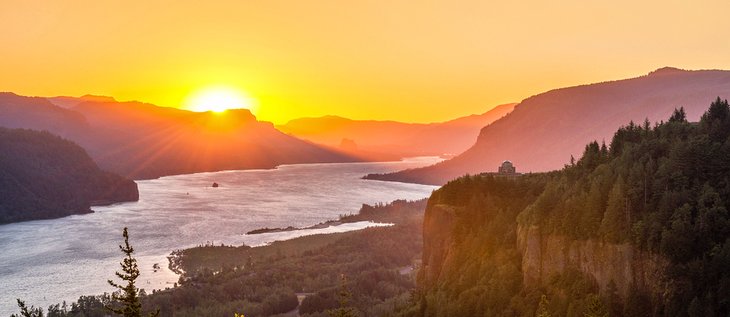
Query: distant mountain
{"points": [[397, 139], [545, 130], [70, 102], [44, 176], [141, 140], [38, 114]]}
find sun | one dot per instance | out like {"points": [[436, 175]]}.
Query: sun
{"points": [[218, 99]]}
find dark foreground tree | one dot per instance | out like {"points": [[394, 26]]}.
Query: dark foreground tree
{"points": [[28, 312], [127, 296]]}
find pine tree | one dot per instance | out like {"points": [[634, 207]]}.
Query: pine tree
{"points": [[28, 312], [716, 121], [678, 115], [615, 220], [128, 295], [344, 297], [594, 208]]}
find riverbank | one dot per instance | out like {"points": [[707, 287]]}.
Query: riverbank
{"points": [[40, 260], [373, 261], [321, 225], [266, 280]]}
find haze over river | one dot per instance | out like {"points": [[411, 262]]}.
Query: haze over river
{"points": [[48, 261]]}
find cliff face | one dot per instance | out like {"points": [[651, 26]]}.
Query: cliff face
{"points": [[623, 265], [43, 176], [448, 259], [437, 227]]}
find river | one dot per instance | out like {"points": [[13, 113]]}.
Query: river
{"points": [[49, 261]]}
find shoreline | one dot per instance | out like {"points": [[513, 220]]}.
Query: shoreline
{"points": [[175, 257]]}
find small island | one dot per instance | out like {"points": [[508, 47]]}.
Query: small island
{"points": [[321, 225]]}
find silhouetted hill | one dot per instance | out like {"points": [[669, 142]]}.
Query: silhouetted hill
{"points": [[44, 176], [70, 102], [545, 130], [395, 138], [141, 140], [39, 114], [158, 141]]}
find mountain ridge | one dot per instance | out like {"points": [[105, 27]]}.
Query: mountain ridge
{"points": [[155, 141], [562, 120], [399, 139]]}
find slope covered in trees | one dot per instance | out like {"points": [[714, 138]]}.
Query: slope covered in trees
{"points": [[545, 130], [636, 228], [44, 176]]}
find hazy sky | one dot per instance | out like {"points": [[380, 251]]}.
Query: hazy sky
{"points": [[403, 60]]}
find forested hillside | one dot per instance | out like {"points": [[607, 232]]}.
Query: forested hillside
{"points": [[376, 263], [639, 227], [44, 176]]}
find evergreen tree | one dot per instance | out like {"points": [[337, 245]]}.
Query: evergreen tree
{"points": [[719, 110], [604, 151], [28, 312], [128, 295], [678, 240], [716, 121], [615, 220], [594, 208], [678, 115], [591, 156], [344, 296]]}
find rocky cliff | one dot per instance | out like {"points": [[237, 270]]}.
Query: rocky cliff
{"points": [[623, 265], [437, 225], [487, 256]]}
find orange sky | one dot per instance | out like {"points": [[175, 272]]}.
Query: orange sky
{"points": [[411, 61]]}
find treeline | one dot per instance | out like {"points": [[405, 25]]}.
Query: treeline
{"points": [[472, 266], [663, 188], [265, 281]]}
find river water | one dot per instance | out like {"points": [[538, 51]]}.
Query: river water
{"points": [[48, 261]]}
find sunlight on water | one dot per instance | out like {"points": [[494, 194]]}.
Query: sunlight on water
{"points": [[49, 261]]}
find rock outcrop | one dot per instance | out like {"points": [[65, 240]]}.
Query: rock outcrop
{"points": [[622, 265]]}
